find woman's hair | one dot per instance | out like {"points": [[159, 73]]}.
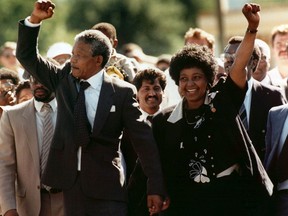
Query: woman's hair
{"points": [[193, 56]]}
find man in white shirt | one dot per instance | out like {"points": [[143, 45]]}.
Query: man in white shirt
{"points": [[279, 39]]}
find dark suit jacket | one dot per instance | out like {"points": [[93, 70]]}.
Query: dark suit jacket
{"points": [[101, 170], [264, 97], [276, 120], [227, 132]]}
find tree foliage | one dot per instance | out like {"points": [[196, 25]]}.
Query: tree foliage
{"points": [[157, 26]]}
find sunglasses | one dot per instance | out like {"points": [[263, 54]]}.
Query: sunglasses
{"points": [[7, 86]]}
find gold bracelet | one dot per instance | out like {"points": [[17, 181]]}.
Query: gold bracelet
{"points": [[252, 31]]}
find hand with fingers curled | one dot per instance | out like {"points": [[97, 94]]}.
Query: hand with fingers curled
{"points": [[43, 9], [251, 13]]}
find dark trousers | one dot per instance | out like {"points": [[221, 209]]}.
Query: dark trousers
{"points": [[76, 203], [281, 203]]}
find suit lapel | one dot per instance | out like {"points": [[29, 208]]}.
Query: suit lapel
{"points": [[104, 104], [30, 132], [256, 101], [277, 129]]}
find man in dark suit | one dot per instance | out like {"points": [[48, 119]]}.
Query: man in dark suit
{"points": [[259, 99], [150, 84], [276, 157], [90, 173]]}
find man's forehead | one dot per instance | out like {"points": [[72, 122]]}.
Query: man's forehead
{"points": [[231, 48]]}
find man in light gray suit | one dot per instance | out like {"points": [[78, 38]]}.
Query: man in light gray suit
{"points": [[276, 137], [21, 141]]}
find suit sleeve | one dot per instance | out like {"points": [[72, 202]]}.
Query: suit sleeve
{"points": [[28, 55], [7, 165]]}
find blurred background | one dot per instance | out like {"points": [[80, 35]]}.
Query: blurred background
{"points": [[158, 26]]}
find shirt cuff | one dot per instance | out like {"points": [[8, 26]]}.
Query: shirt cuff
{"points": [[29, 24]]}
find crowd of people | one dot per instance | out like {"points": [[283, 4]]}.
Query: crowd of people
{"points": [[86, 130]]}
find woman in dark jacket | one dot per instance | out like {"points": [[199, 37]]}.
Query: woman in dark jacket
{"points": [[204, 151]]}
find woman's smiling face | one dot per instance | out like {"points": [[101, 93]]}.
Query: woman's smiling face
{"points": [[193, 86]]}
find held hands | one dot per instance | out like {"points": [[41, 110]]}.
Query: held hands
{"points": [[156, 205], [251, 12], [43, 9]]}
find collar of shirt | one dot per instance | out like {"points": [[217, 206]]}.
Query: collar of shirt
{"points": [[177, 112], [248, 96], [38, 105], [145, 114], [266, 80], [96, 79]]}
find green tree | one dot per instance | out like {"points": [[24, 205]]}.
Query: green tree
{"points": [[157, 26], [14, 10], [11, 11]]}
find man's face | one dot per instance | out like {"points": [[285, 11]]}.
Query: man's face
{"points": [[280, 44], [7, 92], [6, 85], [150, 96], [262, 68], [8, 59], [40, 92], [83, 64], [62, 58], [229, 56]]}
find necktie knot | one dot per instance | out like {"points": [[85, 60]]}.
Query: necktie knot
{"points": [[149, 118], [46, 108], [84, 85]]}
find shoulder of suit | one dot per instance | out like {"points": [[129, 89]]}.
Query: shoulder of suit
{"points": [[283, 107], [267, 87], [166, 111], [18, 106]]}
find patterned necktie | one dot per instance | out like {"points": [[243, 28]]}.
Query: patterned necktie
{"points": [[48, 131], [81, 123], [282, 162], [243, 116]]}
